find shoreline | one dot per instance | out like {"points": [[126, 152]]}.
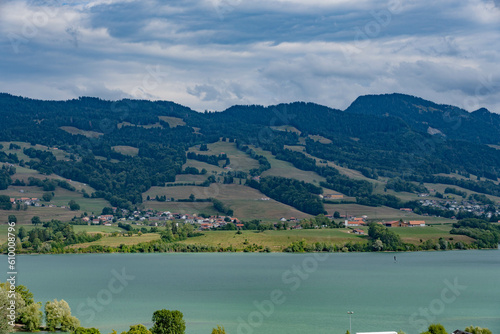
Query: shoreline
{"points": [[282, 252]]}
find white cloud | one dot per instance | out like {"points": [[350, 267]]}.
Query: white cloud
{"points": [[213, 54]]}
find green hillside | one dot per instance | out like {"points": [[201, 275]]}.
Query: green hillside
{"points": [[263, 163]]}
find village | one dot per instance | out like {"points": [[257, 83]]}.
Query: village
{"points": [[465, 206], [149, 217], [155, 218]]}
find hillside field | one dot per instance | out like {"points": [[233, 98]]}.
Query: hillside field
{"points": [[61, 198], [240, 161], [246, 202]]}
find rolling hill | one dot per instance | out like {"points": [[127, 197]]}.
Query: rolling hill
{"points": [[129, 149]]}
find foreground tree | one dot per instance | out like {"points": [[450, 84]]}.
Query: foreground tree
{"points": [[435, 329], [477, 330], [58, 316], [5, 328], [137, 329], [168, 322], [32, 317], [83, 330], [25, 294], [5, 303], [219, 330]]}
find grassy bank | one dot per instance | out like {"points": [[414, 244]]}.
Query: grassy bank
{"points": [[278, 241]]}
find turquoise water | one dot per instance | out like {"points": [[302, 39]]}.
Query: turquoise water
{"points": [[274, 293]]}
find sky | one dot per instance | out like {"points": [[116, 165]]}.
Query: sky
{"points": [[212, 54]]}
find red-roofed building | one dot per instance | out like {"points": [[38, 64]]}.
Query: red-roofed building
{"points": [[416, 223], [394, 223], [206, 226], [354, 223]]}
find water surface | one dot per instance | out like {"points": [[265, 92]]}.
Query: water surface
{"points": [[274, 293]]}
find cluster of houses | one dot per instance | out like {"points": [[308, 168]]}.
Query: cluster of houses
{"points": [[356, 222], [361, 221], [465, 205], [34, 201], [153, 218], [104, 219], [26, 200], [158, 218]]}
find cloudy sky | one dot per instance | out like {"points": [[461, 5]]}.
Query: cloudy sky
{"points": [[211, 54]]}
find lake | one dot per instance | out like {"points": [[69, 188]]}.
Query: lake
{"points": [[274, 293]]}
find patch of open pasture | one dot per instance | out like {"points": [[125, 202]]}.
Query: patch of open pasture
{"points": [[126, 150]]}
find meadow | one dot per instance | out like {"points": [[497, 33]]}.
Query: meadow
{"points": [[116, 241], [126, 150], [240, 161], [277, 240], [59, 154]]}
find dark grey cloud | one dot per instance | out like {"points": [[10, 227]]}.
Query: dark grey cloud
{"points": [[210, 54]]}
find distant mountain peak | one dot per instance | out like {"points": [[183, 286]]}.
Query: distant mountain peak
{"points": [[483, 111], [429, 117]]}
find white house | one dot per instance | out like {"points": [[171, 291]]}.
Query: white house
{"points": [[416, 223]]}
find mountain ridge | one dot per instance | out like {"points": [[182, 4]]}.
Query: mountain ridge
{"points": [[420, 114], [480, 126]]}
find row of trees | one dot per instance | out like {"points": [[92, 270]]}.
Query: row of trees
{"points": [[221, 207], [5, 176], [54, 235], [486, 235], [397, 184], [382, 238], [298, 194], [334, 180], [262, 160], [439, 329], [164, 322], [50, 184], [209, 159]]}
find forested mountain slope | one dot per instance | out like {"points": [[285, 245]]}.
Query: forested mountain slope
{"points": [[387, 135]]}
